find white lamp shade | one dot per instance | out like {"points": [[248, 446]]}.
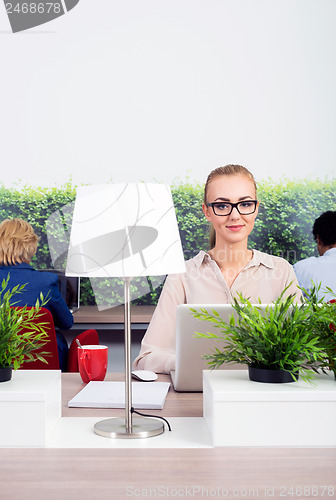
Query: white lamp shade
{"points": [[124, 230]]}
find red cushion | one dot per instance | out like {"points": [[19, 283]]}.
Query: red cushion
{"points": [[332, 326], [50, 346]]}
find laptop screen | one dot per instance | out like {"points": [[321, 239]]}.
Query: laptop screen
{"points": [[69, 288], [188, 374]]}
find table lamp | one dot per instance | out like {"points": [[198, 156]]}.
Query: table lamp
{"points": [[125, 231]]}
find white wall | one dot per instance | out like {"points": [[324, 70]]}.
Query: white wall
{"points": [[160, 89]]}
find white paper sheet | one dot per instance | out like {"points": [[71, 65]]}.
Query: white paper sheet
{"points": [[106, 394]]}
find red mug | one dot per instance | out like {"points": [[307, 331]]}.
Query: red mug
{"points": [[92, 362]]}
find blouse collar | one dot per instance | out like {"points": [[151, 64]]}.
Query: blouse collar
{"points": [[258, 258]]}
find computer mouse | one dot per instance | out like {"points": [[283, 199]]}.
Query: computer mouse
{"points": [[144, 375]]}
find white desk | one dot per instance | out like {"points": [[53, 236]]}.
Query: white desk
{"points": [[30, 407], [237, 472], [240, 412]]}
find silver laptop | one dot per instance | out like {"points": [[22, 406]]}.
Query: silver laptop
{"points": [[188, 373]]}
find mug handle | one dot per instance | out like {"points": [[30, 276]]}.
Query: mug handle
{"points": [[85, 356]]}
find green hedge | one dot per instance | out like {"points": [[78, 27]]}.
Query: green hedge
{"points": [[36, 205], [287, 211]]}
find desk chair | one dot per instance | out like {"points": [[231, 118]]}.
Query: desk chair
{"points": [[50, 346], [89, 337]]}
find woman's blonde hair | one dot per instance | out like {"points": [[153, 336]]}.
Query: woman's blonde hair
{"points": [[227, 170], [18, 242]]}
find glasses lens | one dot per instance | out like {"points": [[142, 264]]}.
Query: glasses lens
{"points": [[246, 207], [222, 208]]}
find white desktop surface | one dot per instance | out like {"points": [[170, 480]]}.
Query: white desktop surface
{"points": [[248, 409], [240, 412], [77, 432], [30, 407], [28, 385], [76, 463], [235, 385]]}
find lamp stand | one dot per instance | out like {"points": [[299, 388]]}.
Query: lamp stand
{"points": [[129, 427]]}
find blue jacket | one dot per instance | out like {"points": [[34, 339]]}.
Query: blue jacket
{"points": [[36, 282], [47, 284]]}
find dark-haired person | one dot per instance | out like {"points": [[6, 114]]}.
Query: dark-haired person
{"points": [[321, 269], [18, 244], [227, 269]]}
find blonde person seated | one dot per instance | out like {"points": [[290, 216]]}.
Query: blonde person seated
{"points": [[217, 276], [18, 244]]}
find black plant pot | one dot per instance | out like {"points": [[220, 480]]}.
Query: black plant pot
{"points": [[271, 376], [5, 373]]}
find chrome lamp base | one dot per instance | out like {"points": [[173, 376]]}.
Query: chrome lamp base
{"points": [[140, 428], [128, 427]]}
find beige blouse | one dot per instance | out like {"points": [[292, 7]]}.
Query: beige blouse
{"points": [[264, 277]]}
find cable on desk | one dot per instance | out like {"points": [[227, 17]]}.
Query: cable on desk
{"points": [[155, 416]]}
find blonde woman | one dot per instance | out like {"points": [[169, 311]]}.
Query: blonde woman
{"points": [[18, 244], [217, 276]]}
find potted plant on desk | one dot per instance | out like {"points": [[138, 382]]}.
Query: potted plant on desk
{"points": [[325, 323], [329, 334], [277, 342], [16, 347]]}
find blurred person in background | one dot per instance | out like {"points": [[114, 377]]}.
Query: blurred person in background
{"points": [[18, 244]]}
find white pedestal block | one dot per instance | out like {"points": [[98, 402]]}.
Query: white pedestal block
{"points": [[239, 412], [30, 406]]}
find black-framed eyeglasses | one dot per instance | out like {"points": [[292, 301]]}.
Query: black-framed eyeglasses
{"points": [[223, 208]]}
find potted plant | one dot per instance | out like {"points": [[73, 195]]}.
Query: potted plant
{"points": [[277, 343], [16, 347], [325, 324]]}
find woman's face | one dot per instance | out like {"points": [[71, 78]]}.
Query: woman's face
{"points": [[233, 228]]}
